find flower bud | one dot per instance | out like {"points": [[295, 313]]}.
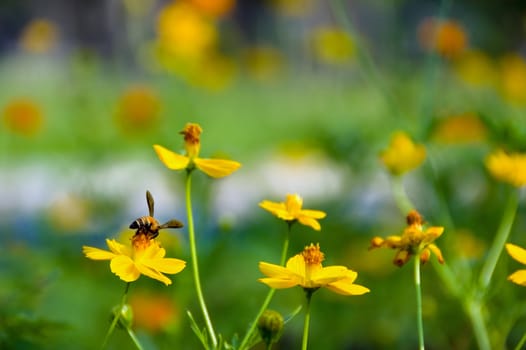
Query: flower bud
{"points": [[270, 325], [125, 315]]}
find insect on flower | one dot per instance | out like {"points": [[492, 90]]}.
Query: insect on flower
{"points": [[148, 225]]}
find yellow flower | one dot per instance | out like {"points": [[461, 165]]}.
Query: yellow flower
{"points": [[39, 36], [290, 211], [333, 45], [446, 37], [138, 109], [212, 167], [506, 167], [402, 155], [263, 63], [475, 68], [145, 257], [305, 270], [23, 116], [461, 128], [513, 79], [413, 241], [519, 254]]}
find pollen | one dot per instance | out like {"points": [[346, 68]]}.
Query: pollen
{"points": [[312, 254], [191, 133], [140, 241], [414, 218]]}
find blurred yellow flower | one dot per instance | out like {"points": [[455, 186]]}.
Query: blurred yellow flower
{"points": [[23, 116], [513, 79], [215, 8], [145, 257], [519, 254], [446, 37], [153, 312], [39, 36], [305, 270], [263, 63], [212, 167], [475, 68], [468, 246], [213, 73], [402, 155], [291, 211], [185, 33], [413, 241], [506, 167], [462, 128], [332, 45], [138, 109]]}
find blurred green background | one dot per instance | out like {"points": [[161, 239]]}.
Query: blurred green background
{"points": [[305, 94]]}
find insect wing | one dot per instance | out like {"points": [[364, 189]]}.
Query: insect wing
{"points": [[172, 224], [149, 200]]}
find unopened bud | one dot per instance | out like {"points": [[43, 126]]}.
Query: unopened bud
{"points": [[270, 325], [125, 315], [425, 255]]}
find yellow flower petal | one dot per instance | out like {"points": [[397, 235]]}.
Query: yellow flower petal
{"points": [[152, 273], [516, 252], [437, 252], [277, 209], [518, 277], [279, 283], [171, 159], [216, 167], [315, 214], [273, 270], [296, 265], [167, 265], [329, 274], [307, 221], [118, 248], [97, 254], [346, 287], [124, 267]]}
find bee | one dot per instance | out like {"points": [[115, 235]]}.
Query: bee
{"points": [[148, 225]]}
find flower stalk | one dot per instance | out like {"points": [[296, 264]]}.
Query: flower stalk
{"points": [[116, 317], [195, 263], [306, 324], [419, 319]]}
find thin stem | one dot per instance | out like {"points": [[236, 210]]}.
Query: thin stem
{"points": [[474, 311], [305, 340], [134, 338], [521, 342], [115, 317], [270, 293], [419, 321], [195, 264], [501, 237], [400, 195]]}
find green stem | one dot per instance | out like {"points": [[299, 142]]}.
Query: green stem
{"points": [[115, 317], [521, 342], [195, 265], [270, 293], [305, 340], [134, 338], [400, 195], [501, 237], [418, 289], [474, 311]]}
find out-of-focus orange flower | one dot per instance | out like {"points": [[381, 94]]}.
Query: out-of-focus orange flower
{"points": [[153, 312], [263, 63], [138, 109], [214, 8], [462, 128], [185, 33], [446, 37], [23, 116], [475, 68], [39, 36], [513, 79], [332, 45], [292, 8]]}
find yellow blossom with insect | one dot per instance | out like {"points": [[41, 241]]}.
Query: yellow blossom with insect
{"points": [[306, 270], [413, 241], [291, 211], [518, 254], [508, 167], [403, 154], [144, 257], [23, 116], [212, 167]]}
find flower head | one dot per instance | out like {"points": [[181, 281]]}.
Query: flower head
{"points": [[333, 45], [509, 168], [403, 154], [212, 167], [290, 211], [145, 257], [138, 109], [39, 36], [413, 241], [519, 254], [445, 37], [461, 128], [305, 270], [23, 116]]}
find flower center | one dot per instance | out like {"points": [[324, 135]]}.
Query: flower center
{"points": [[312, 254], [191, 134], [140, 242], [414, 218]]}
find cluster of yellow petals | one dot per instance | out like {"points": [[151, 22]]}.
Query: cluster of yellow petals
{"points": [[506, 167], [413, 241], [144, 257], [212, 167], [291, 210], [306, 270], [403, 154], [519, 254]]}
